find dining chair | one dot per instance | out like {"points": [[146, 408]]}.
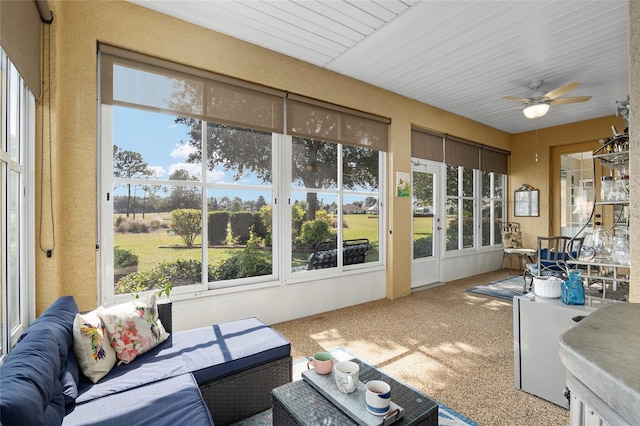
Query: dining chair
{"points": [[512, 244], [549, 251]]}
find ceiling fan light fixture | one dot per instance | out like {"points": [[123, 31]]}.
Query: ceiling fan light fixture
{"points": [[536, 110]]}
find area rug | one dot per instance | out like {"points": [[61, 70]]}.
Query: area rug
{"points": [[503, 289], [446, 416]]}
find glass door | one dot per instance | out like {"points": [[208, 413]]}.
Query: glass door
{"points": [[425, 265]]}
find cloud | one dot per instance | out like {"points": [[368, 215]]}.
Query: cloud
{"points": [[195, 170], [182, 150], [192, 169], [158, 171], [215, 176]]}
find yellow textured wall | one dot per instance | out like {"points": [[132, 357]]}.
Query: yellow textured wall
{"points": [[524, 168], [80, 25]]}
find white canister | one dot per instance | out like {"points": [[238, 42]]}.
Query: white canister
{"points": [[549, 287]]}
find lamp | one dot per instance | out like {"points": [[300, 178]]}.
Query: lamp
{"points": [[536, 110]]}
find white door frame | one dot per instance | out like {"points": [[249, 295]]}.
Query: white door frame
{"points": [[427, 270]]}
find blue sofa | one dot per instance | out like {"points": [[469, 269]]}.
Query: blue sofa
{"points": [[222, 374]]}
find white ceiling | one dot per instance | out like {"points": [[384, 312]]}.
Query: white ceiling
{"points": [[460, 56]]}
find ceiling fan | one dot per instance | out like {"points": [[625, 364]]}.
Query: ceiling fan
{"points": [[538, 104]]}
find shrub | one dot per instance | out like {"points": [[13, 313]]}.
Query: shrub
{"points": [[452, 233], [423, 247], [186, 223], [265, 213], [248, 263], [137, 226], [259, 228], [180, 272], [218, 222], [123, 258], [241, 226], [118, 220], [297, 217], [314, 231]]}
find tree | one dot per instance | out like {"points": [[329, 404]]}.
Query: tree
{"points": [[129, 165], [249, 151], [260, 202], [422, 189], [187, 223], [183, 197]]}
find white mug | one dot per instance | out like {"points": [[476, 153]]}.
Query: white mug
{"points": [[378, 397], [347, 374]]}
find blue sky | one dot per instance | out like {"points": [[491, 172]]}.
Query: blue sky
{"points": [[157, 138]]}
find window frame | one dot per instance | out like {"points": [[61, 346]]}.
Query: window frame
{"points": [[478, 200], [23, 164], [280, 187]]}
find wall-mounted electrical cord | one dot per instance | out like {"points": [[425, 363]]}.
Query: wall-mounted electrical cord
{"points": [[47, 248]]}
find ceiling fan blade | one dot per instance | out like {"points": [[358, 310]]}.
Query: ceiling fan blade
{"points": [[516, 99], [561, 90], [571, 100], [502, 111]]}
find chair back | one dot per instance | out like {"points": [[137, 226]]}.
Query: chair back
{"points": [[511, 236], [553, 249]]}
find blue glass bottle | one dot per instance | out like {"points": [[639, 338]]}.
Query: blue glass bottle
{"points": [[572, 289]]}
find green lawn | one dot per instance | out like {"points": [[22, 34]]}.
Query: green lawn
{"points": [[422, 226], [155, 247], [152, 248]]}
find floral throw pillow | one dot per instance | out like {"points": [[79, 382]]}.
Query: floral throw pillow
{"points": [[133, 327], [511, 239], [91, 346]]}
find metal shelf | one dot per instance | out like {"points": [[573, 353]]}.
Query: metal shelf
{"points": [[612, 159], [612, 203]]}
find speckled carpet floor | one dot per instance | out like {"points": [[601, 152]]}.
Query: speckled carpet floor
{"points": [[450, 344]]}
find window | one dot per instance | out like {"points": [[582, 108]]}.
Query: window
{"points": [[194, 187], [334, 217], [462, 216], [17, 106], [493, 185], [460, 203], [475, 188]]}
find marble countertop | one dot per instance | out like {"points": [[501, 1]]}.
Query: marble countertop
{"points": [[603, 352]]}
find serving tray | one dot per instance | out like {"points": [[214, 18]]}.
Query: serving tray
{"points": [[352, 404]]}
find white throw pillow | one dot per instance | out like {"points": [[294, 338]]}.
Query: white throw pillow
{"points": [[91, 346], [133, 327]]}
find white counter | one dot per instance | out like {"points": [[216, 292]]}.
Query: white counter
{"points": [[602, 357]]}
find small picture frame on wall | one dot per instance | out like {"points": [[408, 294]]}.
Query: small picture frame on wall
{"points": [[403, 184], [526, 202]]}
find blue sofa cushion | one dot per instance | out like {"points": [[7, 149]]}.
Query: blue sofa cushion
{"points": [[174, 401], [70, 377], [208, 352], [31, 391]]}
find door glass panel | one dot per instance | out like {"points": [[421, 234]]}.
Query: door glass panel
{"points": [[422, 214], [577, 191]]}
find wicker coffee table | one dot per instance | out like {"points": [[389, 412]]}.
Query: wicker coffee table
{"points": [[298, 403]]}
